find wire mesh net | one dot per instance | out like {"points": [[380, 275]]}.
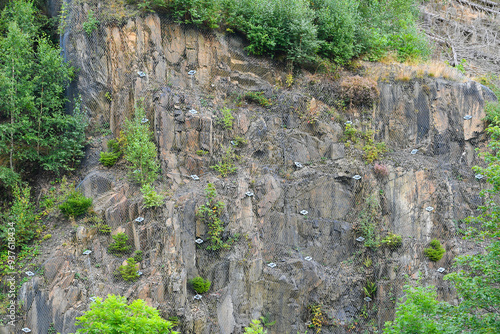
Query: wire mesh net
{"points": [[319, 184]]}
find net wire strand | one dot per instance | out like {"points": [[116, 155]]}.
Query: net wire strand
{"points": [[155, 236]]}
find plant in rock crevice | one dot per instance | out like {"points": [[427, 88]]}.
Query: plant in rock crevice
{"points": [[210, 214]]}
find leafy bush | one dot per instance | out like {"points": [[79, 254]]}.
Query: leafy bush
{"points": [[109, 159], [91, 24], [113, 315], [151, 197], [255, 327], [368, 222], [373, 151], [138, 255], [258, 98], [19, 225], [370, 288], [226, 166], [75, 205], [435, 252], [103, 228], [227, 119], [129, 271], [139, 149], [119, 246], [200, 285], [210, 213], [392, 240], [34, 77], [201, 153], [302, 30]]}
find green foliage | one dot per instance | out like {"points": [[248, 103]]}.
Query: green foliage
{"points": [[255, 327], [350, 134], [227, 119], [76, 205], [103, 228], [368, 222], [303, 31], [19, 225], [91, 24], [265, 320], [37, 131], [435, 252], [200, 285], [151, 197], [373, 151], [201, 153], [139, 149], [138, 255], [317, 317], [419, 313], [8, 178], [226, 166], [120, 245], [370, 288], [239, 141], [392, 240], [47, 237], [258, 97], [109, 159], [114, 316], [129, 271], [210, 213]]}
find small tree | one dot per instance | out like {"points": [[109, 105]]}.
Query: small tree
{"points": [[129, 271], [114, 316], [255, 327], [120, 244], [140, 150]]}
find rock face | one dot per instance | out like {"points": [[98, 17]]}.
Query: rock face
{"points": [[425, 114]]}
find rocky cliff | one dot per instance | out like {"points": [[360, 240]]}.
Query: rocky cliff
{"points": [[317, 258]]}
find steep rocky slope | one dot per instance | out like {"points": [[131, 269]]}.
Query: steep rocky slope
{"points": [[305, 124]]}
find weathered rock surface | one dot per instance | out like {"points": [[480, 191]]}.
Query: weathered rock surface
{"points": [[427, 114]]}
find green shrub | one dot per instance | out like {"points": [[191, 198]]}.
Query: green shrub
{"points": [[239, 141], [255, 327], [129, 271], [138, 255], [337, 22], [103, 228], [151, 197], [139, 149], [114, 316], [227, 119], [109, 159], [47, 237], [258, 98], [20, 217], [370, 288], [435, 252], [392, 240], [373, 151], [75, 205], [114, 153], [91, 24], [200, 285], [201, 153], [119, 246], [209, 213], [226, 166]]}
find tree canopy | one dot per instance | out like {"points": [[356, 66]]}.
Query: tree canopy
{"points": [[35, 131]]}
